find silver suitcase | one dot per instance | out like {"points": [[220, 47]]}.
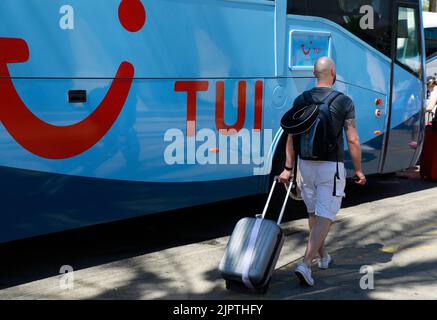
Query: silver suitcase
{"points": [[253, 250]]}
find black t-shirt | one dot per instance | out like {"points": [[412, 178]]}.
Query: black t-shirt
{"points": [[342, 109]]}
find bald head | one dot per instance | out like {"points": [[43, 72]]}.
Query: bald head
{"points": [[324, 71]]}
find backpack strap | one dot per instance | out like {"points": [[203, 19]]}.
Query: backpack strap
{"points": [[331, 97], [326, 111], [328, 101]]}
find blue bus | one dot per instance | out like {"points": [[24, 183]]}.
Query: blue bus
{"points": [[430, 26], [113, 109]]}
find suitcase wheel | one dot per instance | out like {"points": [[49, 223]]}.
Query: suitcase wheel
{"points": [[264, 289]]}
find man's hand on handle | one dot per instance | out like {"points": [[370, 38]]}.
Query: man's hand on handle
{"points": [[284, 176]]}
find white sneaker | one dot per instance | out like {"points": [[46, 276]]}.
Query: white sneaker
{"points": [[323, 263], [304, 275]]}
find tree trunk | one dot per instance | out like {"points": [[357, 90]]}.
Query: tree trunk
{"points": [[432, 5]]}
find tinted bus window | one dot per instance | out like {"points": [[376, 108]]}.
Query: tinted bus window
{"points": [[430, 41], [347, 14], [407, 40]]}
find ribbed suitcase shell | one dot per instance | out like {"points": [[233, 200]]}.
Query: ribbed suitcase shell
{"points": [[265, 255], [428, 163]]}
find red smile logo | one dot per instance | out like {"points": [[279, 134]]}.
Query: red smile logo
{"points": [[61, 142], [306, 52]]}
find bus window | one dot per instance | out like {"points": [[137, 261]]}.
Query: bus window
{"points": [[347, 14], [407, 40], [431, 41]]}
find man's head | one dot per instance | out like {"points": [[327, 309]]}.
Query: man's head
{"points": [[325, 72]]}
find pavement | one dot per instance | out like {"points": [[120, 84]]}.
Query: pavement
{"points": [[389, 226]]}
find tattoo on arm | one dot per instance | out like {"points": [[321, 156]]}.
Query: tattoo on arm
{"points": [[349, 123]]}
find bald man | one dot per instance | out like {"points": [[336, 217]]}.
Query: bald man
{"points": [[317, 177]]}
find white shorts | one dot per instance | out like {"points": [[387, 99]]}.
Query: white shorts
{"points": [[317, 185]]}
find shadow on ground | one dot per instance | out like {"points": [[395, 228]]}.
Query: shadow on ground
{"points": [[360, 246]]}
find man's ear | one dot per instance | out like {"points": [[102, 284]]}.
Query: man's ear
{"points": [[333, 72]]}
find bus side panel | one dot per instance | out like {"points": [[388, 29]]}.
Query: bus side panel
{"points": [[131, 170], [230, 39], [215, 44], [370, 127], [406, 117], [148, 142], [357, 63], [180, 39], [37, 203]]}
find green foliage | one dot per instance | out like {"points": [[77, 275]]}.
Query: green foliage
{"points": [[425, 5]]}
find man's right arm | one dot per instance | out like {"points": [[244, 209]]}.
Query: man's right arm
{"points": [[284, 177], [354, 145]]}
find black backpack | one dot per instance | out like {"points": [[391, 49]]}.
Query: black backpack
{"points": [[311, 126], [313, 134]]}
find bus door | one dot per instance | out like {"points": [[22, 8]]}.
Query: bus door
{"points": [[404, 124]]}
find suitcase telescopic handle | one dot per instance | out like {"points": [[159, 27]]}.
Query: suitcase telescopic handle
{"points": [[281, 215]]}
